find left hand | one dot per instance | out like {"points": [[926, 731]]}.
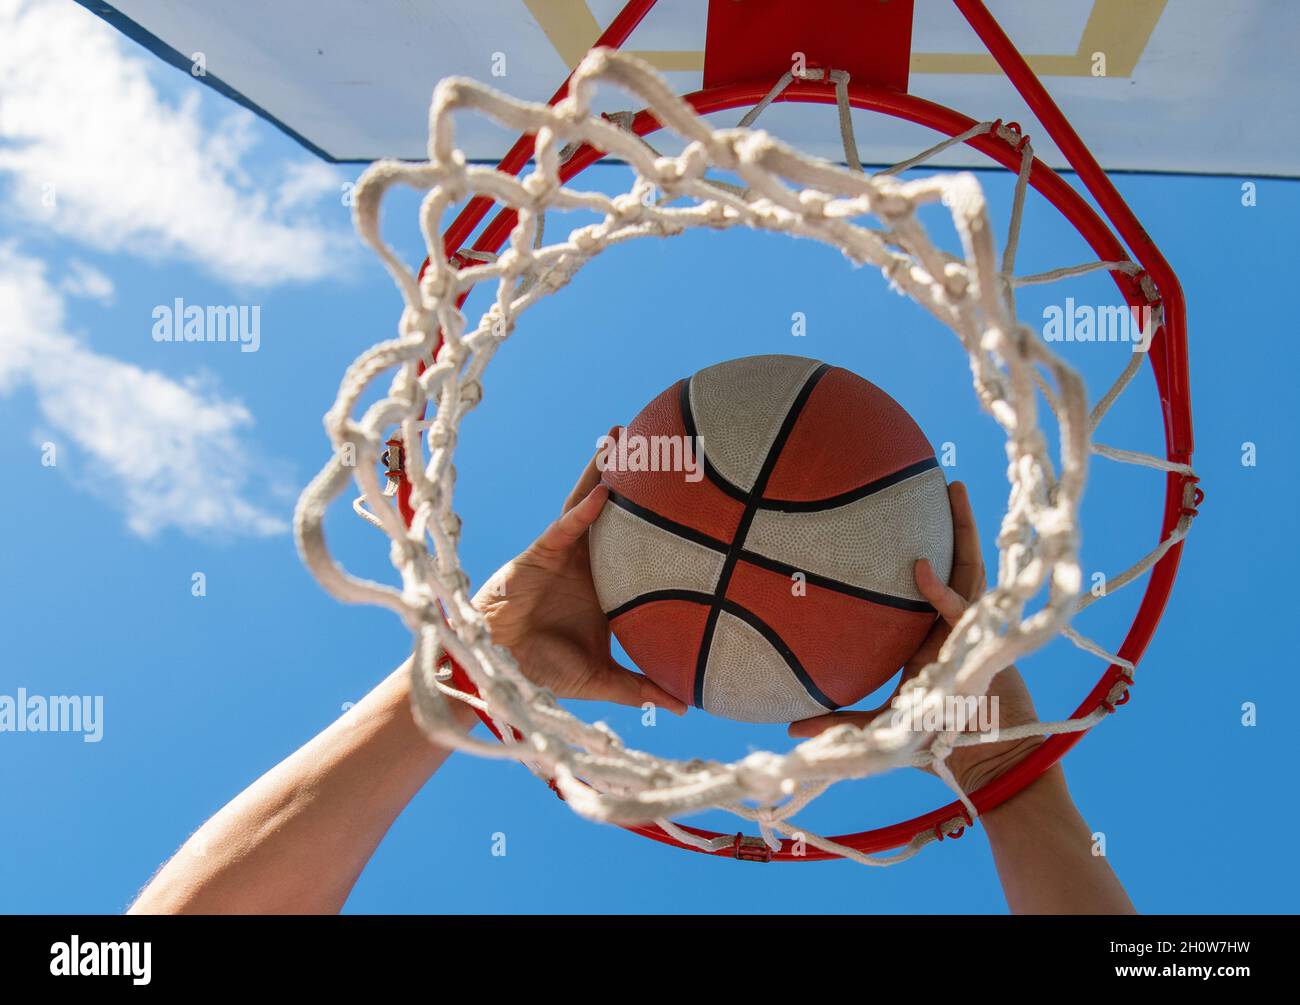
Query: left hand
{"points": [[542, 606]]}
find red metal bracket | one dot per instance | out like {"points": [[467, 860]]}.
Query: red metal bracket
{"points": [[394, 458], [938, 828], [750, 849]]}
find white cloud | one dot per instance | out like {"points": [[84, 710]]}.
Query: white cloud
{"points": [[131, 171], [305, 182], [84, 280], [169, 453]]}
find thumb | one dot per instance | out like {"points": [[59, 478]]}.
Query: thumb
{"points": [[818, 724], [622, 686], [565, 532]]}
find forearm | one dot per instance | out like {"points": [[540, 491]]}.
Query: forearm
{"points": [[295, 841], [1044, 854]]}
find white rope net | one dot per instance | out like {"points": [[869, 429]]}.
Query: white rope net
{"points": [[872, 219]]}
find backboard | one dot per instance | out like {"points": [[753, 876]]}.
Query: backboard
{"points": [[1198, 86]]}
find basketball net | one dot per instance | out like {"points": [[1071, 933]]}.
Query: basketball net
{"points": [[435, 369]]}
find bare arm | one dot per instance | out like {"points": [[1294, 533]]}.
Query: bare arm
{"points": [[295, 841], [1043, 851]]}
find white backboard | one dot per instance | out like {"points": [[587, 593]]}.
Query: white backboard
{"points": [[1204, 86]]}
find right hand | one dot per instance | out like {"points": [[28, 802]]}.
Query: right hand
{"points": [[975, 765]]}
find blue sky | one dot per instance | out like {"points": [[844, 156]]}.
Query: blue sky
{"points": [[176, 459]]}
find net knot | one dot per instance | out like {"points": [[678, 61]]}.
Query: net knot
{"points": [[471, 393]]}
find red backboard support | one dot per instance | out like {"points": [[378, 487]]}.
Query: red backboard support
{"points": [[757, 39]]}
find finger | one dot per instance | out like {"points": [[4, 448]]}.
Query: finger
{"points": [[967, 559], [568, 529], [950, 604], [625, 687], [590, 477], [820, 723], [919, 661]]}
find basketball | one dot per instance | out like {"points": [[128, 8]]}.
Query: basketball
{"points": [[755, 557]]}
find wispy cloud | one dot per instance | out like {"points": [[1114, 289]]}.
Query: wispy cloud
{"points": [[170, 454], [83, 280], [95, 153]]}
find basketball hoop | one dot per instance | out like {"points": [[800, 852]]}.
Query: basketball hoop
{"points": [[436, 361]]}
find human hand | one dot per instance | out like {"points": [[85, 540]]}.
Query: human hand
{"points": [[542, 606], [974, 765]]}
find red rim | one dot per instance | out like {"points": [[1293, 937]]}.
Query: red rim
{"points": [[1167, 354]]}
